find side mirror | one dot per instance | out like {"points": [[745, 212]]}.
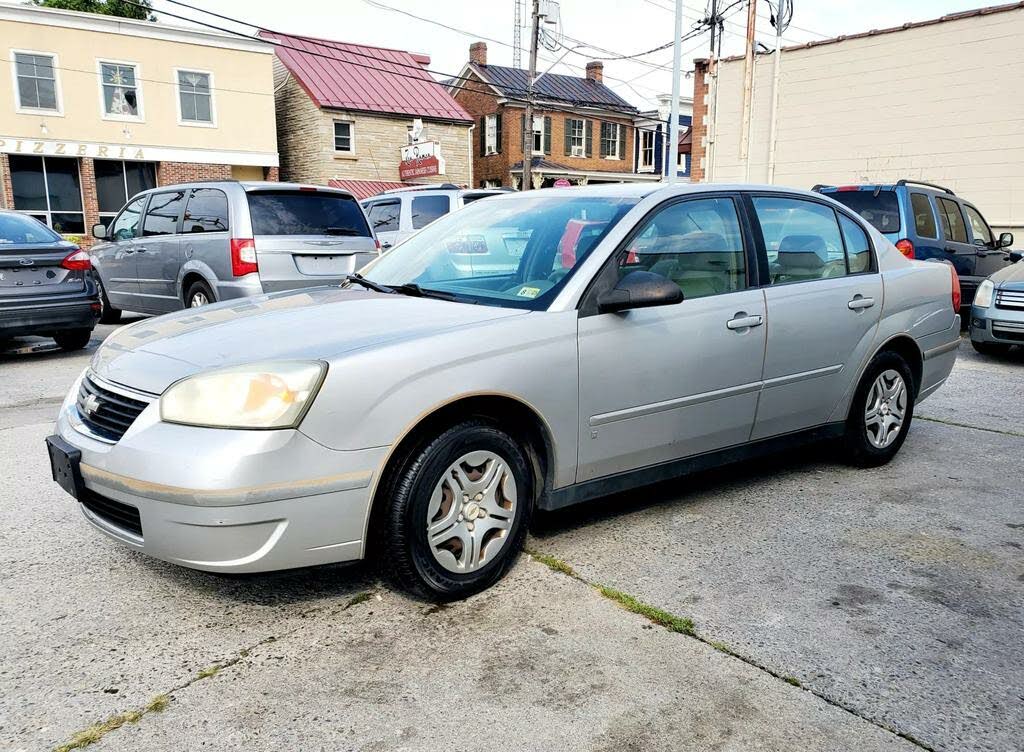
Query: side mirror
{"points": [[99, 231], [1006, 240], [639, 290], [1016, 256]]}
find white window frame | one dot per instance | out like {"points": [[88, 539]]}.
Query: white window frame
{"points": [[213, 99], [538, 135], [490, 135], [618, 134], [583, 137], [646, 165], [58, 92], [351, 137], [140, 118]]}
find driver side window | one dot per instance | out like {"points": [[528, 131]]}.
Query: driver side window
{"points": [[802, 239], [126, 226], [697, 244]]}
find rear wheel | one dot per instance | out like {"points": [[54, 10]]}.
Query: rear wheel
{"points": [[990, 348], [457, 511], [73, 339], [199, 294], [108, 314], [880, 414]]}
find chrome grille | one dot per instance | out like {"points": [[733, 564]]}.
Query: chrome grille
{"points": [[104, 412], [1010, 299]]}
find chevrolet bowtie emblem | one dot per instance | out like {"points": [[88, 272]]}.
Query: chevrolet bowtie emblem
{"points": [[91, 404]]}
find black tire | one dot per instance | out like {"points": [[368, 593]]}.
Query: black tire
{"points": [[108, 314], [990, 348], [73, 339], [401, 532], [198, 288], [858, 450]]}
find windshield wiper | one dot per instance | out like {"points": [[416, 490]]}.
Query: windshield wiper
{"points": [[411, 288], [359, 279]]}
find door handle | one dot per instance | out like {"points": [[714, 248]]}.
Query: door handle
{"points": [[743, 321], [859, 303], [140, 250], [947, 249], [129, 251]]}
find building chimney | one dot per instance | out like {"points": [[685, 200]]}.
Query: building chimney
{"points": [[595, 71], [478, 53]]}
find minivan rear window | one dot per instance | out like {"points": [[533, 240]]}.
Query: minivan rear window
{"points": [[881, 210], [306, 213]]}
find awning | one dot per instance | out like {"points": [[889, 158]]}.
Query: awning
{"points": [[366, 188], [685, 140]]}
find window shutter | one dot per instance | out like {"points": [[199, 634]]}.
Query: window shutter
{"points": [[588, 139], [622, 142], [568, 140], [497, 131], [604, 141], [547, 134], [483, 134]]}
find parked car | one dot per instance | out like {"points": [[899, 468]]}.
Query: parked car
{"points": [[400, 213], [45, 284], [997, 316], [424, 411], [188, 245], [929, 222]]}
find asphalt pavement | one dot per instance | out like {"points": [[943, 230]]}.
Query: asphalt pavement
{"points": [[831, 609]]}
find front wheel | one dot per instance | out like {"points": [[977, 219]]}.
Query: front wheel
{"points": [[108, 314], [457, 509], [880, 414]]}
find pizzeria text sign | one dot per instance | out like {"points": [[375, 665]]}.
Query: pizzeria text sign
{"points": [[421, 160], [70, 149]]}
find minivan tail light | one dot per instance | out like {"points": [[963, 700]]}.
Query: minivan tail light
{"points": [[243, 256], [77, 261], [957, 298], [906, 247]]}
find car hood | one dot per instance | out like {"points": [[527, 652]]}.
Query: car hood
{"points": [[1010, 277], [318, 324]]}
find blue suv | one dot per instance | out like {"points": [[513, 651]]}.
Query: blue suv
{"points": [[927, 221]]}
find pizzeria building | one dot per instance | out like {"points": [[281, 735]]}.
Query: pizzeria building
{"points": [[98, 108]]}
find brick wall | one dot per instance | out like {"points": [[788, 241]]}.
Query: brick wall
{"points": [[306, 142], [6, 189], [698, 153], [169, 173], [90, 201]]}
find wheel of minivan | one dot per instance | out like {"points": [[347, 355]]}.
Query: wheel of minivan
{"points": [[73, 339], [990, 348], [198, 295], [880, 414], [457, 510], [108, 314]]}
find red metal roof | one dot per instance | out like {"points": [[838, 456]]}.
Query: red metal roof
{"points": [[345, 76], [366, 188]]}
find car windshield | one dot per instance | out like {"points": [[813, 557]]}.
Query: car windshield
{"points": [[516, 251], [16, 229]]}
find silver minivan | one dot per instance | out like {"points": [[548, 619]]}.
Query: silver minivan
{"points": [[402, 212], [187, 245]]}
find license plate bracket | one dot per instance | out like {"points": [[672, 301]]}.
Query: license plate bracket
{"points": [[66, 465]]}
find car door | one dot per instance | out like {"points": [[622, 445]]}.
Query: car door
{"points": [[824, 300], [205, 238], [956, 244], [115, 258], [659, 384], [158, 252], [383, 218], [989, 257]]}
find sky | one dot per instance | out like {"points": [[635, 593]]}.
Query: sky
{"points": [[588, 29]]}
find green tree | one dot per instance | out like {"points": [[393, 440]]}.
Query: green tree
{"points": [[104, 7]]}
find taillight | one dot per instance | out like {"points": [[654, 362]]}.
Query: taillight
{"points": [[848, 188], [77, 261], [905, 247], [243, 256], [956, 296], [377, 243]]}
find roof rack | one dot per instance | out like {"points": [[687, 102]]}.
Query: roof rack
{"points": [[432, 187], [904, 181]]}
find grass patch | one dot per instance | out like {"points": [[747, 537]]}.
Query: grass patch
{"points": [[792, 680], [97, 731], [671, 622], [355, 600], [207, 672], [556, 565]]}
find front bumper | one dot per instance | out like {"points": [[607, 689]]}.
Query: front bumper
{"points": [[226, 500], [997, 325], [47, 317]]}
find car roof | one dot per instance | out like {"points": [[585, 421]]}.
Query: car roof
{"points": [[247, 185]]}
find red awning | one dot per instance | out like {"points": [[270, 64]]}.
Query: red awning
{"points": [[366, 188], [685, 140]]}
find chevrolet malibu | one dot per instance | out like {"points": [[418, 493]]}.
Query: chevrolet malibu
{"points": [[424, 409]]}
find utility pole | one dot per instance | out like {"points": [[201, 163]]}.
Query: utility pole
{"points": [[748, 89], [712, 76], [673, 126], [773, 127], [517, 35], [528, 119]]}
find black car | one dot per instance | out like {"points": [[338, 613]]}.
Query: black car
{"points": [[46, 284]]}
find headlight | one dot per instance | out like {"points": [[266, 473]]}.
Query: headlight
{"points": [[983, 297], [255, 395]]}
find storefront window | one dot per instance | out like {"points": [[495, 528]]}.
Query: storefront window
{"points": [[120, 91], [50, 190], [118, 181]]}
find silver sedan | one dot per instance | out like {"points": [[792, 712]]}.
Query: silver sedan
{"points": [[528, 352]]}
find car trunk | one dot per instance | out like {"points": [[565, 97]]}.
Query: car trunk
{"points": [[305, 236], [30, 270]]}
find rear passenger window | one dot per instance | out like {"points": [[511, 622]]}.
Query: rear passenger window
{"points": [[952, 220], [858, 248], [924, 217], [207, 211], [697, 244], [802, 239], [384, 217], [162, 214], [425, 209]]}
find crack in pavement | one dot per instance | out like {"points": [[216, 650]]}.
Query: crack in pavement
{"points": [[945, 422]]}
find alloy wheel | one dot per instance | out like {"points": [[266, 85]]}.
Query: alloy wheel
{"points": [[886, 409], [471, 512], [198, 299]]}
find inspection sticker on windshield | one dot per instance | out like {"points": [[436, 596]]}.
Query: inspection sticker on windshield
{"points": [[528, 292]]}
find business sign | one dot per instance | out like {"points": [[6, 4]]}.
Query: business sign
{"points": [[134, 152], [562, 183], [421, 160]]}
